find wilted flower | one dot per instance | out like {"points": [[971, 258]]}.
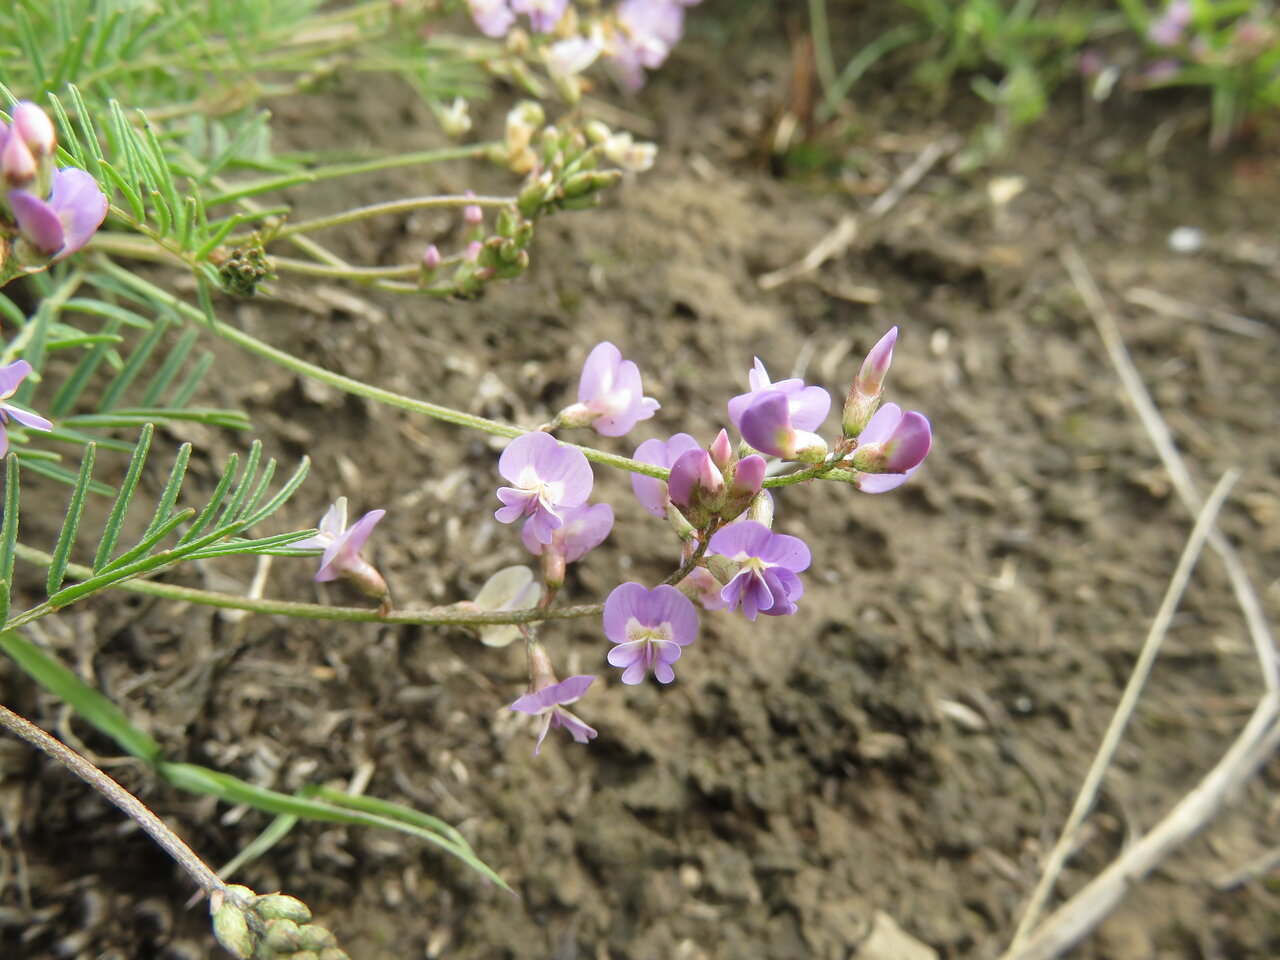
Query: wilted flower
{"points": [[342, 545], [611, 398], [511, 588], [584, 529], [10, 377], [548, 697], [766, 580], [546, 479], [890, 448], [649, 628], [650, 491]]}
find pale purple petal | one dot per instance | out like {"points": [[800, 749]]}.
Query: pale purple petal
{"points": [[517, 504], [566, 691], [580, 731], [585, 529], [37, 222], [493, 17], [524, 451], [543, 14], [31, 421], [766, 424], [746, 538], [881, 425], [627, 600], [543, 524], [14, 373], [360, 530], [4, 443], [784, 551], [668, 605], [692, 470], [809, 407], [599, 372], [81, 206], [882, 482], [910, 443]]}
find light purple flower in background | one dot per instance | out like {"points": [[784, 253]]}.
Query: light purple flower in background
{"points": [[342, 545], [543, 14], [768, 426], [703, 588], [10, 377], [546, 479], [610, 396], [650, 491], [1169, 29], [807, 407], [62, 225], [493, 17], [569, 57], [550, 702], [647, 31], [891, 448], [648, 627], [766, 581], [584, 529]]}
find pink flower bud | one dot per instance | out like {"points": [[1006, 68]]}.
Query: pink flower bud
{"points": [[694, 475], [431, 257], [721, 450], [864, 396], [17, 163], [472, 213], [33, 125]]}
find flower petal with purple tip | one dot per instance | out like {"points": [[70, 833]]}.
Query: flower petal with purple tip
{"points": [[650, 491]]}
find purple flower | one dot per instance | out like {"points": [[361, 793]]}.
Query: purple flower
{"points": [[649, 628], [584, 529], [74, 211], [694, 476], [650, 491], [647, 31], [768, 425], [569, 57], [766, 580], [807, 407], [543, 14], [342, 545], [890, 449], [493, 17], [547, 698], [10, 377], [1169, 29], [546, 478], [610, 396]]}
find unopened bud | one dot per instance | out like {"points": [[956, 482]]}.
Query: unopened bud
{"points": [[431, 258], [17, 164], [283, 936], [721, 450], [231, 923], [809, 447], [33, 125], [864, 395], [761, 509], [316, 937], [471, 212], [273, 906], [721, 567]]}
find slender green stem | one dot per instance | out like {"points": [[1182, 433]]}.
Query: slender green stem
{"points": [[691, 561], [470, 151], [305, 611], [310, 269], [128, 804], [821, 32], [404, 205], [355, 387]]}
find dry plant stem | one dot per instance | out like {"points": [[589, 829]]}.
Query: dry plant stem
{"points": [[1158, 431], [378, 209], [1071, 922], [130, 805], [1124, 709]]}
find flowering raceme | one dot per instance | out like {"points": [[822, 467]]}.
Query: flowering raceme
{"points": [[11, 377]]}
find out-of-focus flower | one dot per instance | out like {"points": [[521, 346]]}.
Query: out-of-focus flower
{"points": [[767, 425], [650, 491], [342, 545], [766, 580], [64, 223], [1168, 31], [584, 529], [891, 448], [634, 156], [35, 128], [649, 627], [455, 119], [10, 377], [647, 30], [546, 478], [543, 14], [569, 57], [511, 588], [703, 589], [547, 698], [493, 17], [864, 395], [611, 397]]}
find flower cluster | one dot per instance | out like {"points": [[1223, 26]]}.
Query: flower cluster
{"points": [[46, 213], [713, 497], [635, 36]]}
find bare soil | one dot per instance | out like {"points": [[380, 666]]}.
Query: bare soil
{"points": [[909, 742]]}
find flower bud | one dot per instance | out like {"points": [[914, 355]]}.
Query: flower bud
{"points": [[721, 450], [33, 125], [17, 164], [471, 212], [231, 921], [864, 395], [315, 937], [283, 936], [272, 906], [748, 475], [761, 509]]}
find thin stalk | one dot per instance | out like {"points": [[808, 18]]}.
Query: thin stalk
{"points": [[127, 803], [379, 209], [359, 389], [310, 269], [304, 611]]}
